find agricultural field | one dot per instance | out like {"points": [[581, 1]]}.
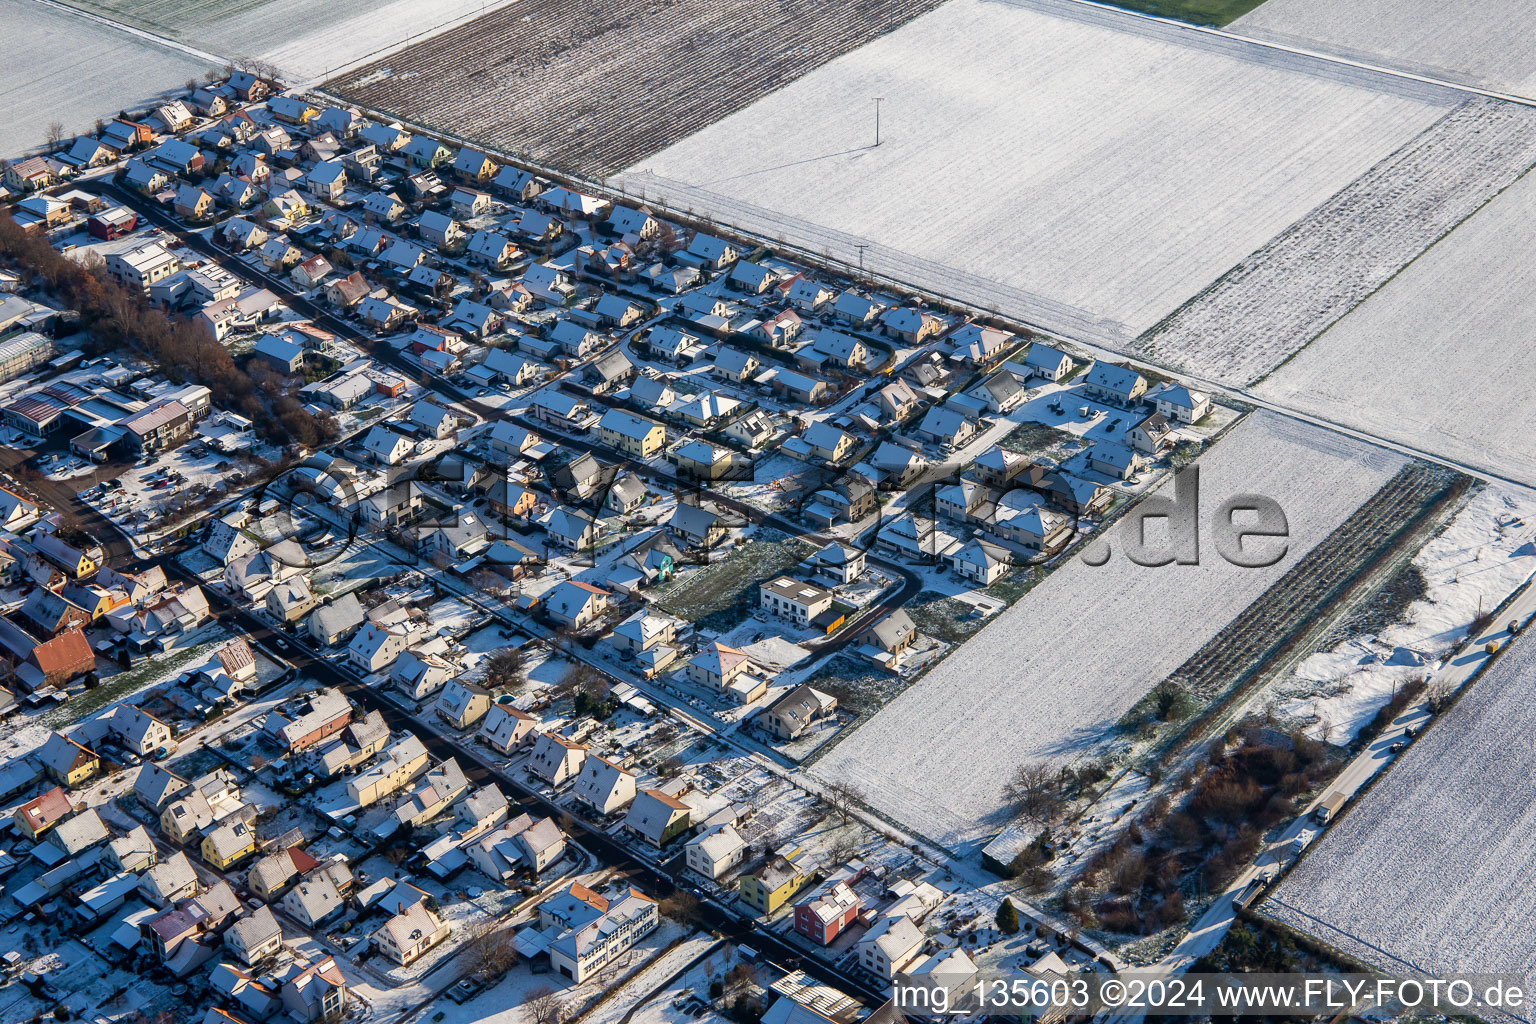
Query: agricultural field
{"points": [[594, 87], [1480, 42], [67, 69], [1281, 297], [1070, 118], [1433, 870], [304, 41], [1030, 687], [1437, 358]]}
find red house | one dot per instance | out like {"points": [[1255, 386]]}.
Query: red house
{"points": [[113, 223], [822, 917]]}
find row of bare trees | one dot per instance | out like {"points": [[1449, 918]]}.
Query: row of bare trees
{"points": [[118, 318]]}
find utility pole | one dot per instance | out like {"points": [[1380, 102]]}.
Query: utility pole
{"points": [[877, 119], [861, 246]]}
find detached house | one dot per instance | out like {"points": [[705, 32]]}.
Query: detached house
{"points": [[555, 759], [657, 817], [1115, 385], [604, 786]]}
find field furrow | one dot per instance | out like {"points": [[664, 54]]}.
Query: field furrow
{"points": [[1278, 299], [1267, 625]]}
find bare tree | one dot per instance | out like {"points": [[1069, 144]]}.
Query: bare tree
{"points": [[55, 135], [682, 906], [1034, 789], [490, 950], [504, 668], [543, 1005], [844, 848], [842, 797]]}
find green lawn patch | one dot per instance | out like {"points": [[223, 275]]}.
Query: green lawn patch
{"points": [[722, 594], [1197, 12]]}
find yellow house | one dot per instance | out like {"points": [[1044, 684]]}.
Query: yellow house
{"points": [[633, 435], [193, 203], [228, 844], [67, 761], [776, 882]]}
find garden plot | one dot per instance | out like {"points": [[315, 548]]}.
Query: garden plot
{"points": [[1279, 298], [63, 68], [1437, 359], [1433, 870], [1052, 675], [576, 83], [1481, 42], [1112, 166]]}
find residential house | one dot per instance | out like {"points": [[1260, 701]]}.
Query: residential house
{"points": [[828, 443], [1178, 404], [823, 917], [462, 704], [1051, 363], [374, 648], [979, 562], [776, 881], [507, 729], [397, 766], [254, 937], [583, 951], [411, 934], [555, 759], [634, 435], [1115, 385], [603, 786], [792, 714], [715, 852], [228, 843]]}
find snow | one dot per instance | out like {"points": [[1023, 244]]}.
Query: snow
{"points": [[1303, 280], [1482, 556], [1483, 42], [1114, 166], [367, 32], [1437, 359], [66, 69], [1047, 678], [1434, 868]]}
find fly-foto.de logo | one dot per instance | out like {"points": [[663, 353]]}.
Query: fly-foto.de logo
{"points": [[1247, 530]]}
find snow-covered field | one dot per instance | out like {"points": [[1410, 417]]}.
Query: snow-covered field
{"points": [[1482, 556], [305, 41], [1434, 870], [1281, 297], [1438, 358], [1047, 678], [1481, 42], [1111, 167], [62, 68]]}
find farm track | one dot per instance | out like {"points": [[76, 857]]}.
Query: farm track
{"points": [[1228, 665], [1274, 302], [596, 86]]}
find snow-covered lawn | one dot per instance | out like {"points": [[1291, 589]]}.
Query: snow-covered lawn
{"points": [[1051, 675], [1485, 42], [1107, 169], [1434, 870], [62, 68], [1437, 359], [1482, 556]]}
